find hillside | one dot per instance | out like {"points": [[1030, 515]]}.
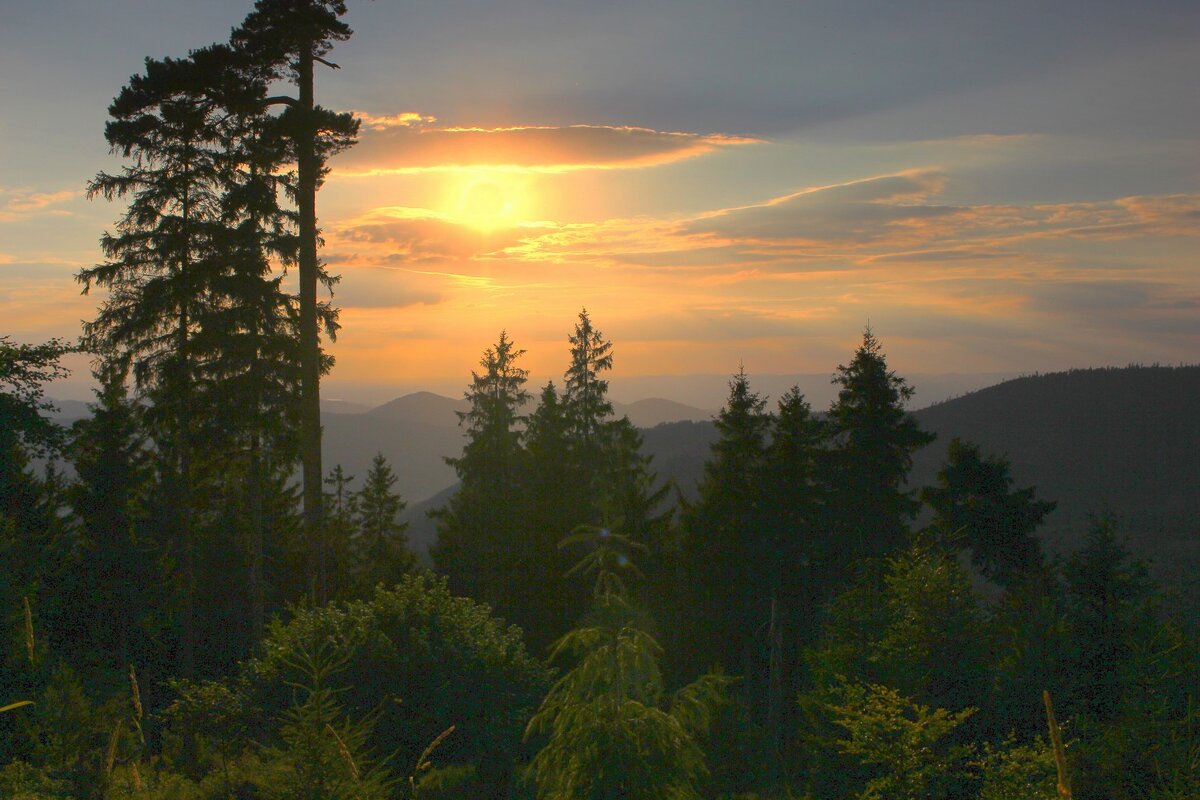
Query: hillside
{"points": [[1121, 441], [418, 431]]}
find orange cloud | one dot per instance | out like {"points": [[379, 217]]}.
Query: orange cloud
{"points": [[410, 148], [22, 204], [404, 119], [768, 276], [396, 234]]}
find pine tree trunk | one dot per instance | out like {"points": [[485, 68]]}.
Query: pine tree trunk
{"points": [[257, 525], [775, 681], [184, 442], [310, 349]]}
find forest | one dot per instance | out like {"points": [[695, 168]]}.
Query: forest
{"points": [[195, 606]]}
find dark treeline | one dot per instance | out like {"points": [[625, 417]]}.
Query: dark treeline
{"points": [[183, 619], [790, 632]]}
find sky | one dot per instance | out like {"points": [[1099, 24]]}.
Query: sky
{"points": [[993, 187]]}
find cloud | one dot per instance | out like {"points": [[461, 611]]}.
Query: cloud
{"points": [[375, 287], [404, 119], [21, 204], [395, 235], [410, 148], [860, 211], [777, 276], [1090, 296]]}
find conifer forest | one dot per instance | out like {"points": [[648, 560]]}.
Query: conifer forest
{"points": [[196, 605]]}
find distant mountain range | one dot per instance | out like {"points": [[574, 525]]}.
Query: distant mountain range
{"points": [[418, 431]]}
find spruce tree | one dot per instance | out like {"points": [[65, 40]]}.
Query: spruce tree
{"points": [[976, 507], [795, 556], [874, 439], [477, 531], [341, 527], [381, 551], [586, 392], [193, 309], [119, 570], [159, 264], [610, 481], [726, 538], [610, 729]]}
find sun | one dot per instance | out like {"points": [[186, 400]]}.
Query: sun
{"points": [[488, 201]]}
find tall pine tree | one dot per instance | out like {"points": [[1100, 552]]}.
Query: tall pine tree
{"points": [[284, 40]]}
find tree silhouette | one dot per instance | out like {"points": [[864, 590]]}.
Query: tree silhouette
{"points": [[725, 537], [118, 568], [874, 439], [477, 531], [585, 393], [284, 40], [974, 505], [159, 266], [381, 547]]}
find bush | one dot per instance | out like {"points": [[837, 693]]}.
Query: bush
{"points": [[417, 660]]}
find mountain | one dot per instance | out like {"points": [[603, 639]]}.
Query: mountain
{"points": [[337, 406], [656, 410], [711, 390], [425, 408], [415, 450], [418, 431]]}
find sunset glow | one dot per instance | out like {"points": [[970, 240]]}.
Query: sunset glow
{"points": [[487, 200], [754, 204]]}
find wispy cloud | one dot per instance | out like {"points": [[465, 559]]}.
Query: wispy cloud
{"points": [[410, 147], [20, 204], [949, 278], [403, 119]]}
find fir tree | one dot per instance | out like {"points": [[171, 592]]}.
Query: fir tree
{"points": [[477, 530], [726, 544], [974, 505], [381, 548], [874, 440]]}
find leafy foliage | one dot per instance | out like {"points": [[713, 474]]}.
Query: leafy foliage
{"points": [[903, 741], [420, 659]]}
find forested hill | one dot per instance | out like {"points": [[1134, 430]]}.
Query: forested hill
{"points": [[1123, 441]]}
